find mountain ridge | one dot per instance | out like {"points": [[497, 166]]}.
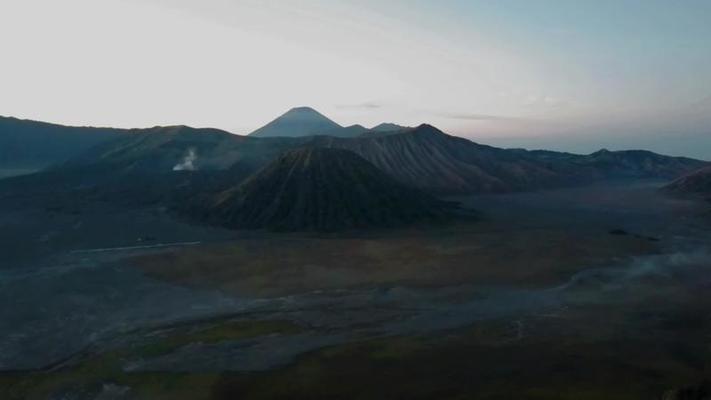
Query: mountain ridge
{"points": [[388, 127], [423, 157], [37, 144]]}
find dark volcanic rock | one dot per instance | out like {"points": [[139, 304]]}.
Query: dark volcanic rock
{"points": [[318, 189]]}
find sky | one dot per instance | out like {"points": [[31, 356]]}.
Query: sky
{"points": [[565, 75]]}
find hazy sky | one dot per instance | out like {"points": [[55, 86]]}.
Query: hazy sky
{"points": [[569, 75]]}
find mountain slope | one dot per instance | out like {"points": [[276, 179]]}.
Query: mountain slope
{"points": [[147, 166], [165, 149], [318, 189], [299, 121], [427, 158], [33, 144], [697, 182]]}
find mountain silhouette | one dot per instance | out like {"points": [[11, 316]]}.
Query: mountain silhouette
{"points": [[299, 121]]}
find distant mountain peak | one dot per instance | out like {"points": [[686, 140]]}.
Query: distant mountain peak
{"points": [[306, 113], [422, 131], [427, 129], [602, 151], [298, 121], [387, 127], [302, 109]]}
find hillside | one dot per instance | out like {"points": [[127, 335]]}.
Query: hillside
{"points": [[33, 144], [166, 149], [697, 182], [317, 189], [427, 158]]}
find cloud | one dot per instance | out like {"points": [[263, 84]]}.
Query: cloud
{"points": [[479, 117], [703, 104], [369, 105], [542, 101]]}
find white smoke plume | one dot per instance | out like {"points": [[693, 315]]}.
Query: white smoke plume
{"points": [[188, 162]]}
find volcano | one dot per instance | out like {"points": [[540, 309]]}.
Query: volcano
{"points": [[319, 189], [299, 121]]}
